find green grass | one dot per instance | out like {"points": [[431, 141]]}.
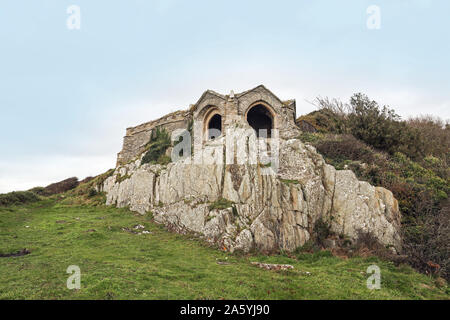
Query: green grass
{"points": [[221, 204], [288, 181], [117, 264]]}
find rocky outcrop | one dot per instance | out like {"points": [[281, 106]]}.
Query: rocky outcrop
{"points": [[266, 212]]}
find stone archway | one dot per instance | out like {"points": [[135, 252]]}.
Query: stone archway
{"points": [[212, 125], [260, 117]]}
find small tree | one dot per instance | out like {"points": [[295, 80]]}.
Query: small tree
{"points": [[378, 127]]}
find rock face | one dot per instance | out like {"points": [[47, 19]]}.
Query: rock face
{"points": [[267, 212], [241, 199]]}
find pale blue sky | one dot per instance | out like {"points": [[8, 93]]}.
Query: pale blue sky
{"points": [[66, 96]]}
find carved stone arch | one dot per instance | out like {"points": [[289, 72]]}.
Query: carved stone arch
{"points": [[261, 115], [212, 119]]}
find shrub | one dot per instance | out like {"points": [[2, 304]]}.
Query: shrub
{"points": [[61, 187], [18, 197], [96, 182], [157, 147], [345, 147], [38, 190], [86, 180], [411, 183], [309, 137], [309, 246], [92, 192], [428, 240], [331, 116], [381, 127], [321, 231], [433, 130], [368, 245]]}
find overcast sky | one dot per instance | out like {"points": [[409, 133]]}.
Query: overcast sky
{"points": [[66, 96]]}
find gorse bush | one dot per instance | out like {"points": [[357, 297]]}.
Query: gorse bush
{"points": [[18, 197], [157, 147]]}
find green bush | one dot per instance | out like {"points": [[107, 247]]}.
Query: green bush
{"points": [[157, 147], [18, 197], [92, 193], [38, 190], [345, 147], [380, 127], [321, 231]]}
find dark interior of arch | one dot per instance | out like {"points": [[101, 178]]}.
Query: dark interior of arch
{"points": [[259, 117], [214, 123]]}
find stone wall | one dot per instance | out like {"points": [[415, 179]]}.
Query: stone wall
{"points": [[232, 108], [137, 137]]}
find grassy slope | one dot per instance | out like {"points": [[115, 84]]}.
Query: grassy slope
{"points": [[120, 265]]}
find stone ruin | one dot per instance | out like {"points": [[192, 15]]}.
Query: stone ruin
{"points": [[258, 108], [228, 196]]}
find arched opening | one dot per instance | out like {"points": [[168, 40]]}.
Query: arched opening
{"points": [[259, 118], [214, 126]]}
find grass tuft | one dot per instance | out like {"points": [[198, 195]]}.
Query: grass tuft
{"points": [[221, 204]]}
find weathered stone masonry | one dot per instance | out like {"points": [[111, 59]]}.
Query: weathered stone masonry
{"points": [[137, 137], [232, 108]]}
